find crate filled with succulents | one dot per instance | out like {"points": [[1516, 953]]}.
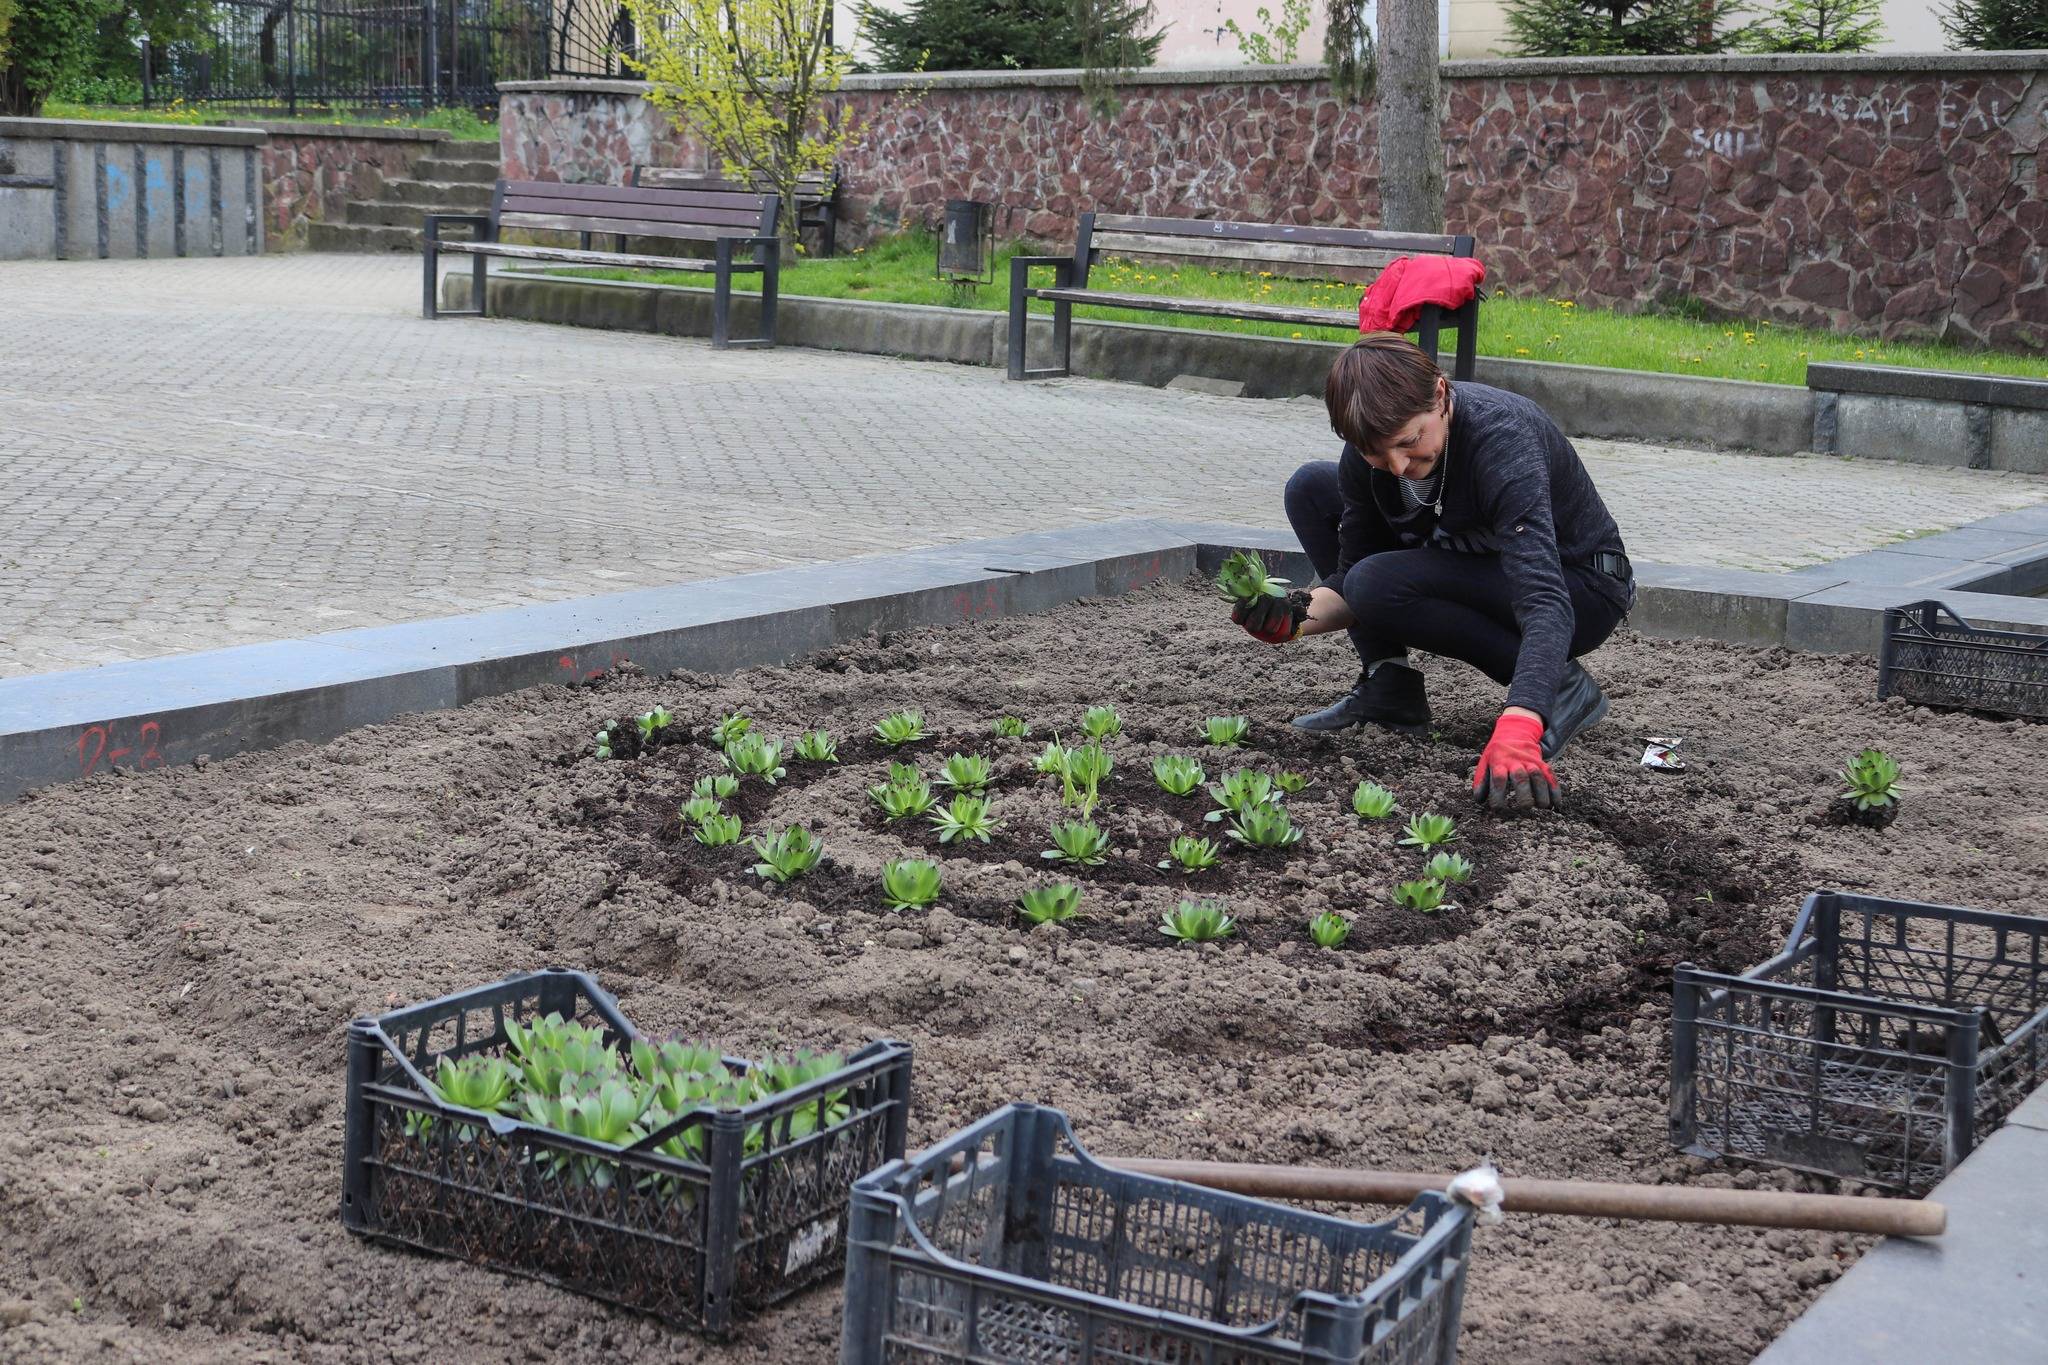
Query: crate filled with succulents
{"points": [[526, 1125]]}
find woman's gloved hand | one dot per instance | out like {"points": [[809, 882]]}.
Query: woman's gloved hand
{"points": [[1274, 621], [1511, 767]]}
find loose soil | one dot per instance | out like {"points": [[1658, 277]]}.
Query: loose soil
{"points": [[185, 949]]}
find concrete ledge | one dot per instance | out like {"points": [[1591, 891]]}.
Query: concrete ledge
{"points": [[1977, 421], [1585, 400], [360, 132], [1948, 386], [98, 130], [1879, 65], [1641, 405], [1978, 1293]]}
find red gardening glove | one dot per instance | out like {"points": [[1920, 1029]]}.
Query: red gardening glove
{"points": [[1271, 619], [1512, 766]]}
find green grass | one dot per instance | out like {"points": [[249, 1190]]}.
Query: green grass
{"points": [[464, 124], [899, 270]]}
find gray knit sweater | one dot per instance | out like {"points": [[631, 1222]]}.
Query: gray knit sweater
{"points": [[1512, 486]]}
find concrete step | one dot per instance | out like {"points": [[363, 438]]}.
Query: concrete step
{"points": [[467, 151], [383, 213], [449, 196], [440, 168], [361, 237]]}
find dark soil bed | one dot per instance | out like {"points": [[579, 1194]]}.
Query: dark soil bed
{"points": [[185, 949]]}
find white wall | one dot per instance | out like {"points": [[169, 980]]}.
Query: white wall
{"points": [[1195, 36]]}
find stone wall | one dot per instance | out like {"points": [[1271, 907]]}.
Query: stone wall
{"points": [[311, 170], [1902, 195]]}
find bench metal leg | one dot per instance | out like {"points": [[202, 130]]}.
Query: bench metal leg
{"points": [[1020, 323], [430, 302], [1468, 340], [1020, 276], [1426, 329], [479, 283], [771, 289], [721, 293]]}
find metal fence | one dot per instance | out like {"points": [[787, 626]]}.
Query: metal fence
{"points": [[391, 53]]}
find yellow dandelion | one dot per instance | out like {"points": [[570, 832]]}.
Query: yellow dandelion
{"points": [[1521, 350]]}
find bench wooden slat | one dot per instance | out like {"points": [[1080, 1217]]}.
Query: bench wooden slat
{"points": [[1439, 244], [563, 222], [1221, 308], [748, 200], [811, 185], [636, 213], [577, 257], [1223, 249]]}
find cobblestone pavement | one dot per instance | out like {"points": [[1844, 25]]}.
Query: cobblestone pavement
{"points": [[196, 453]]}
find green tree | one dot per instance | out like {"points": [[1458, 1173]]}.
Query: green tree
{"points": [[1616, 28], [1273, 41], [54, 43], [993, 35], [1997, 25], [1816, 26], [1350, 52], [750, 78]]}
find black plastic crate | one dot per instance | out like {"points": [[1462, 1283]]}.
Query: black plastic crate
{"points": [[1935, 657], [695, 1243], [1881, 1044], [1007, 1243]]}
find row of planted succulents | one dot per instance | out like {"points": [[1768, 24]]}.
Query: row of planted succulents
{"points": [[955, 798]]}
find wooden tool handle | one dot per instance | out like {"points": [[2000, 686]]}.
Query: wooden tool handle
{"points": [[1578, 1198]]}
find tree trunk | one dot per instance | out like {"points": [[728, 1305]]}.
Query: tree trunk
{"points": [[1410, 118], [15, 99]]}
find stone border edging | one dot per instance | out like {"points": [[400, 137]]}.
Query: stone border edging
{"points": [[102, 130], [1586, 400], [58, 727], [1973, 1294]]}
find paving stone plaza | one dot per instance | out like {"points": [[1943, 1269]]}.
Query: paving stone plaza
{"points": [[205, 452]]}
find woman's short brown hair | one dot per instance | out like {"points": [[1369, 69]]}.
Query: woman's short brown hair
{"points": [[1379, 385]]}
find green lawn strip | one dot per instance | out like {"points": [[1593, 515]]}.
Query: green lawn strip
{"points": [[463, 124], [898, 269]]}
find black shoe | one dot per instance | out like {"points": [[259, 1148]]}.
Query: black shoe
{"points": [[1580, 703], [1391, 697]]}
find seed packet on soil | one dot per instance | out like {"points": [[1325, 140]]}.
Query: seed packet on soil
{"points": [[1661, 752]]}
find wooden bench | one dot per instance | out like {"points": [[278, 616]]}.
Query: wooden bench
{"points": [[740, 225], [1323, 251], [817, 195]]}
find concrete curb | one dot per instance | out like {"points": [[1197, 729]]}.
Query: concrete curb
{"points": [[1776, 419], [58, 727], [1974, 1294]]}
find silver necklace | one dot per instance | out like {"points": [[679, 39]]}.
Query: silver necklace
{"points": [[1444, 460]]}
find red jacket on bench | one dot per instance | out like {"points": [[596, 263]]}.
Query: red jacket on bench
{"points": [[1396, 298]]}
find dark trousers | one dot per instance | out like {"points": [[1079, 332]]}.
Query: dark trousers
{"points": [[1444, 601]]}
